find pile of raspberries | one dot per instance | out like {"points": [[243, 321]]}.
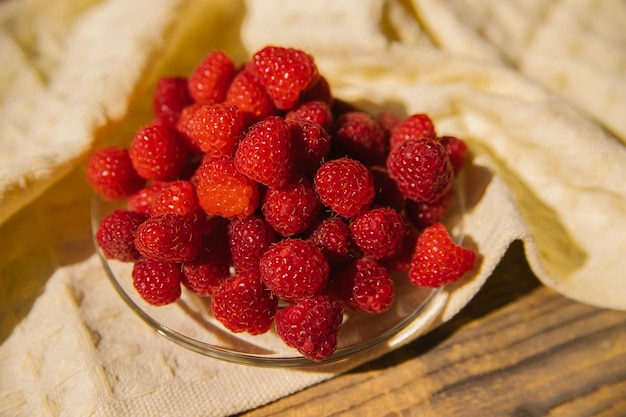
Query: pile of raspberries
{"points": [[253, 184]]}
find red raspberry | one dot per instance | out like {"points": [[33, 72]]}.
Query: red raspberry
{"points": [[157, 282], [359, 136], [244, 304], [116, 235], [142, 200], [311, 326], [413, 127], [332, 236], [248, 240], [292, 209], [378, 233], [157, 152], [170, 96], [437, 259], [265, 154], [168, 237], [311, 144], [314, 111], [216, 128], [423, 214], [209, 81], [210, 268], [294, 269], [345, 185], [364, 285], [111, 174], [457, 151], [184, 126], [247, 93], [421, 168], [223, 191], [285, 73], [387, 192], [178, 197], [319, 90]]}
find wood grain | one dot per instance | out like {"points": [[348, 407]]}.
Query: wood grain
{"points": [[518, 349]]}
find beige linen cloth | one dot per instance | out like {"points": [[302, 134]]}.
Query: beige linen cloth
{"points": [[538, 89]]}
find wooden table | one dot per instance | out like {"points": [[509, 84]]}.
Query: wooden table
{"points": [[518, 349]]}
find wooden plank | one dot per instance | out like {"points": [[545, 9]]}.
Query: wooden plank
{"points": [[518, 349]]}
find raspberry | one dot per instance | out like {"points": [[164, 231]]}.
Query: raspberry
{"points": [[265, 154], [311, 144], [210, 268], [168, 237], [314, 111], [142, 200], [216, 128], [421, 168], [285, 73], [116, 235], [111, 174], [413, 127], [209, 81], [184, 127], [423, 214], [248, 240], [437, 260], [244, 304], [157, 152], [247, 93], [294, 269], [157, 282], [178, 197], [378, 233], [364, 285], [311, 326], [170, 96], [457, 151], [223, 191], [292, 209], [332, 236], [359, 136], [387, 192], [345, 185]]}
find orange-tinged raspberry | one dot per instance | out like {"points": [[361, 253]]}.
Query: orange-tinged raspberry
{"points": [[224, 191], [215, 128], [247, 93], [209, 81]]}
